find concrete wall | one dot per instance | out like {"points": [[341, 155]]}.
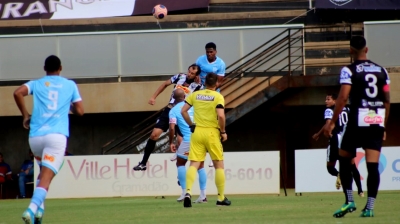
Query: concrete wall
{"points": [[101, 97], [132, 53]]}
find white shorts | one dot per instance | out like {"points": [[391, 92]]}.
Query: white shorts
{"points": [[183, 150], [49, 150]]}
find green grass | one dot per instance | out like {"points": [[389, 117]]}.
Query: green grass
{"points": [[307, 209]]}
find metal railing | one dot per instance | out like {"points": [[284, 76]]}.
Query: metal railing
{"points": [[266, 61], [282, 55]]}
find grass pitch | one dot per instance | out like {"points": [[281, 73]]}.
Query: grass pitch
{"points": [[307, 209]]}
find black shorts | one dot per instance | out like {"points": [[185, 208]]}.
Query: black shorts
{"points": [[333, 148], [362, 137], [163, 122]]}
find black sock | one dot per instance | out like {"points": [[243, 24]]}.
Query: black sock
{"points": [[372, 184], [356, 177], [346, 178], [332, 170], [373, 179], [151, 144]]}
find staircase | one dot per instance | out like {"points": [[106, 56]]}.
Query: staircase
{"points": [[249, 82]]}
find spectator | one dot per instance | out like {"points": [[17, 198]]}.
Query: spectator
{"points": [[5, 170], [26, 174], [5, 176]]}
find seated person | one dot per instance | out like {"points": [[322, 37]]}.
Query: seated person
{"points": [[26, 174], [5, 175]]}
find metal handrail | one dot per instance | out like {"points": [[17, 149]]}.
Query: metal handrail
{"points": [[243, 67]]}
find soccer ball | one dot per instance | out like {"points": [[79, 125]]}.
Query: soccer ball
{"points": [[160, 11]]}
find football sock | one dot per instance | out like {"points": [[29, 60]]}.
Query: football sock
{"points": [[202, 181], [37, 184], [150, 145], [220, 183], [190, 178], [37, 199], [373, 181], [356, 177], [182, 176], [346, 178], [332, 170]]}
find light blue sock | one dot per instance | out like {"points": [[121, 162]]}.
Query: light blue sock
{"points": [[37, 184], [202, 178], [182, 176], [202, 181], [37, 199]]}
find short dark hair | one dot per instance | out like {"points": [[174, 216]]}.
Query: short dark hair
{"points": [[211, 45], [194, 66], [211, 79], [52, 63], [333, 95], [358, 42]]}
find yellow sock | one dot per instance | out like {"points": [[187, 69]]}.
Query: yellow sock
{"points": [[220, 183], [191, 174]]}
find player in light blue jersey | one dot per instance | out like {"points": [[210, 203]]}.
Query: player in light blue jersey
{"points": [[210, 63], [53, 98], [175, 118]]}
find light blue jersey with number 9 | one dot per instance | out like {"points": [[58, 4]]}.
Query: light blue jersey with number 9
{"points": [[52, 97]]}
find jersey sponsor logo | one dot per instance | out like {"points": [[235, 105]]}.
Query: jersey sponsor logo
{"points": [[172, 120], [328, 113], [373, 118], [340, 2], [372, 68], [48, 157], [205, 97], [345, 75], [368, 68], [366, 103], [47, 84], [185, 89]]}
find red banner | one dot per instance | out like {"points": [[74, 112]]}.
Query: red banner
{"points": [[79, 9]]}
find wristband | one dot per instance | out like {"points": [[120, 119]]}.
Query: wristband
{"points": [[223, 132]]}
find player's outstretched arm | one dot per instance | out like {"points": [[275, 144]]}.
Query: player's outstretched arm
{"points": [[316, 135], [77, 108], [19, 95], [160, 89]]}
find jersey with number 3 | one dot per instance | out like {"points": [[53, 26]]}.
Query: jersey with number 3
{"points": [[52, 97], [367, 97]]}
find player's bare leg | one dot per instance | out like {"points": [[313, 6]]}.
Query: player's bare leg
{"points": [[151, 144], [39, 195]]}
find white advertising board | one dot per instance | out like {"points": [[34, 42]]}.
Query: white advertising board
{"points": [[311, 174], [112, 176]]}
